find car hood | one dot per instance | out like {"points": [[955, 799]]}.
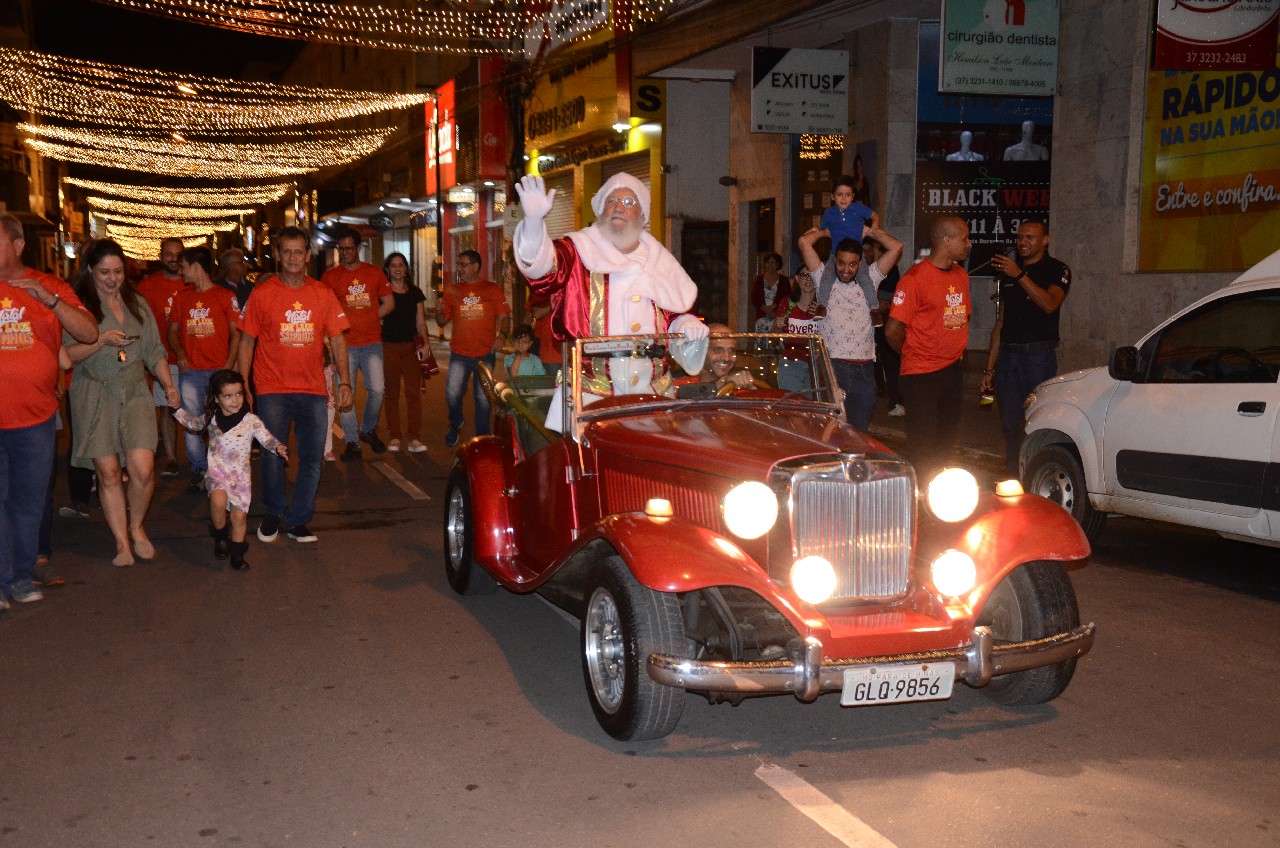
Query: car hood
{"points": [[728, 442]]}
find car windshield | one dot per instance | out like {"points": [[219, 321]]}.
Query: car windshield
{"points": [[623, 372]]}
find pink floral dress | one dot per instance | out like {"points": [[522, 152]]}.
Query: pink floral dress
{"points": [[229, 454]]}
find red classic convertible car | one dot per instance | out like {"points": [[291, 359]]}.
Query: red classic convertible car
{"points": [[732, 536]]}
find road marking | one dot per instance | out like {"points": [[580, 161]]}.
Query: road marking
{"points": [[828, 815], [398, 478]]}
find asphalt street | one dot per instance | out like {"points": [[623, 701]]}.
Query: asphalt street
{"points": [[339, 694]]}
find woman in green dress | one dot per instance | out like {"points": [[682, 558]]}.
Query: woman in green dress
{"points": [[115, 421]]}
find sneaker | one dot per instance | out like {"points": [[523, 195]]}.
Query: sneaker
{"points": [[25, 592], [269, 528], [300, 533], [329, 457], [352, 452], [42, 573], [74, 511], [897, 411], [451, 437], [393, 445], [417, 447], [170, 469], [372, 440]]}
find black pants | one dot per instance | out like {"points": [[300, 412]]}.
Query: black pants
{"points": [[933, 401]]}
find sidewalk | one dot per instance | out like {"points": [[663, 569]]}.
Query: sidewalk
{"points": [[979, 440]]}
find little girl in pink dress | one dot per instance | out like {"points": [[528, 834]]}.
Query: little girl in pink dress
{"points": [[232, 429]]}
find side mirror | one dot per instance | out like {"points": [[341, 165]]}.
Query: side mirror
{"points": [[1126, 364]]}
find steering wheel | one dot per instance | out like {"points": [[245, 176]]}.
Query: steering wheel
{"points": [[730, 387], [1211, 364]]}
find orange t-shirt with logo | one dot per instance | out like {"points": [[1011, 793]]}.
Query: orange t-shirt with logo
{"points": [[205, 321], [30, 335], [474, 311], [934, 304], [290, 325], [359, 292], [158, 291]]}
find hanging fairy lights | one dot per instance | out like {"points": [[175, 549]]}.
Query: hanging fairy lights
{"points": [[160, 210], [196, 159], [201, 197], [128, 98], [159, 222], [479, 26], [171, 230], [146, 249]]}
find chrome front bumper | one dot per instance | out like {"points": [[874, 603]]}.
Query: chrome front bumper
{"points": [[812, 675]]}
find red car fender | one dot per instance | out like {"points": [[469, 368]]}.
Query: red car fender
{"points": [[484, 461], [1006, 532], [676, 555]]}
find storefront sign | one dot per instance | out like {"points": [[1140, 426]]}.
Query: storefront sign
{"points": [[799, 91], [578, 154], [1222, 35], [994, 198], [999, 47], [1210, 175], [579, 97], [493, 121], [442, 144]]}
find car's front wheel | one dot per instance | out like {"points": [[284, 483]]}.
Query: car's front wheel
{"points": [[1033, 601], [1055, 473], [622, 624], [460, 568]]}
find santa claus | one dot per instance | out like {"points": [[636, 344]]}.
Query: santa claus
{"points": [[609, 279]]}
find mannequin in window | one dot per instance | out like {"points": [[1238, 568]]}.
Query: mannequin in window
{"points": [[964, 154], [1026, 150]]}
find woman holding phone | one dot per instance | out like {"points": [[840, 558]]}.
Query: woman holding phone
{"points": [[115, 424]]}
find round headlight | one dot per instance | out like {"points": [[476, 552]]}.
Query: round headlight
{"points": [[954, 573], [953, 494], [750, 509], [813, 579]]}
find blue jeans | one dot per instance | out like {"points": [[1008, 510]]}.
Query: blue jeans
{"points": [[859, 384], [1017, 374], [195, 391], [455, 386], [367, 359], [309, 417], [26, 464]]}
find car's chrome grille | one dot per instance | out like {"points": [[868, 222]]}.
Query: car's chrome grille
{"points": [[860, 520]]}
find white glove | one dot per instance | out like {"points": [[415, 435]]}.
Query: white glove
{"points": [[692, 328], [535, 200]]}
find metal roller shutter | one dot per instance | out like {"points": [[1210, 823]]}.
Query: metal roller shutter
{"points": [[635, 164], [560, 219]]}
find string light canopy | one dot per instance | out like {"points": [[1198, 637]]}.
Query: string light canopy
{"points": [[201, 197], [183, 231], [145, 249], [159, 223], [163, 211], [208, 160], [478, 26], [127, 98]]}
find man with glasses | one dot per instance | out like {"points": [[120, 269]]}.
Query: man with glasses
{"points": [[609, 279], [481, 317], [365, 295]]}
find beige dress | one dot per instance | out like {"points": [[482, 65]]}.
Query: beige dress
{"points": [[111, 407]]}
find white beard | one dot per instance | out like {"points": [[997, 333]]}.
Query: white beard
{"points": [[624, 240]]}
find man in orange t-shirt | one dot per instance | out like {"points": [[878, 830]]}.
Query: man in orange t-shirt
{"points": [[929, 324], [202, 334], [365, 296], [481, 318], [158, 290], [282, 338], [34, 310]]}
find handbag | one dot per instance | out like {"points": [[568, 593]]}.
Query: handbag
{"points": [[426, 357]]}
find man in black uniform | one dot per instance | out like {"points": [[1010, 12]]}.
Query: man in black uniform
{"points": [[1024, 340]]}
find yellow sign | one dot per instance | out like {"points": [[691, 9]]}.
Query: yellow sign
{"points": [[649, 101], [578, 95], [1210, 170]]}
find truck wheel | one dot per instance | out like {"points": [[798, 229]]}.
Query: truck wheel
{"points": [[1035, 600], [1055, 473], [622, 624], [460, 568]]}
